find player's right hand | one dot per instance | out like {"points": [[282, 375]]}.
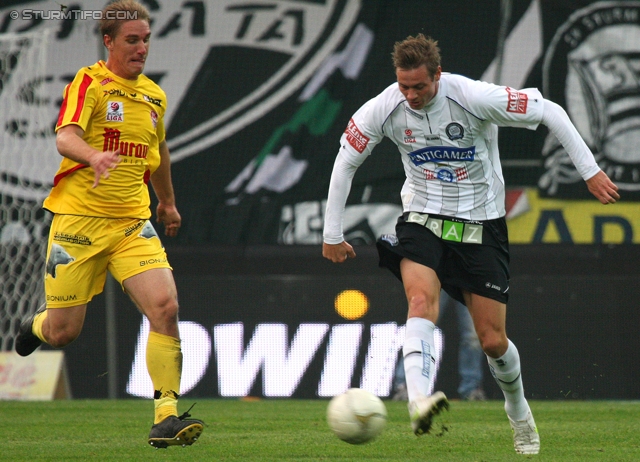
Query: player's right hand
{"points": [[338, 253], [102, 162]]}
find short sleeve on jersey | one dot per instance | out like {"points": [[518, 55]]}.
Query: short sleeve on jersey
{"points": [[79, 100]]}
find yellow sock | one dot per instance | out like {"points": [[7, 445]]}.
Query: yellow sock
{"points": [[36, 327], [164, 363]]}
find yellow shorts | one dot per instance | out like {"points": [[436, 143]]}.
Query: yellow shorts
{"points": [[82, 249]]}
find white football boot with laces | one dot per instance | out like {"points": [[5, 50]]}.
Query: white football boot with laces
{"points": [[526, 439]]}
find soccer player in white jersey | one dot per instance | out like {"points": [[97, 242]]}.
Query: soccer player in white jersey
{"points": [[452, 233]]}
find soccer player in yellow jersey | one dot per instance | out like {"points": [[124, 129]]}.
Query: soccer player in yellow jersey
{"points": [[111, 136]]}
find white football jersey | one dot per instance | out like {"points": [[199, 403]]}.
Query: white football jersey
{"points": [[449, 148]]}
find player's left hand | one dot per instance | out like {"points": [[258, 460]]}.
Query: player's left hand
{"points": [[603, 188], [168, 215]]}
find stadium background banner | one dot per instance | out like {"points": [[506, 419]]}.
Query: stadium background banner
{"points": [[261, 321], [258, 95]]}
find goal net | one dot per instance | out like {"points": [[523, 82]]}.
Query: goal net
{"points": [[27, 150]]}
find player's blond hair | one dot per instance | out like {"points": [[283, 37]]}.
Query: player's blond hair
{"points": [[110, 23], [417, 51]]}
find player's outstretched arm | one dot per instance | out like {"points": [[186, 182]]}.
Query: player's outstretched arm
{"points": [[603, 188], [598, 183], [338, 253]]}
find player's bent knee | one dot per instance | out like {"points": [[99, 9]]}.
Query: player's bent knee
{"points": [[494, 346], [170, 309], [420, 306], [164, 313], [61, 338]]}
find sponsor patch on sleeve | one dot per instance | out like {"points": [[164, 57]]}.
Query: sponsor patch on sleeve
{"points": [[355, 137], [517, 101]]}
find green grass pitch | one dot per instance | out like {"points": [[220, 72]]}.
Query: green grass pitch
{"points": [[282, 430]]}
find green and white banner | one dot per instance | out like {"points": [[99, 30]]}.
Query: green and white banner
{"points": [[259, 93]]}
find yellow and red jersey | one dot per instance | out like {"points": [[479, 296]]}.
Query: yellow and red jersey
{"points": [[114, 113]]}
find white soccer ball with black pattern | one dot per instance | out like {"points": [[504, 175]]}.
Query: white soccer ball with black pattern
{"points": [[356, 416]]}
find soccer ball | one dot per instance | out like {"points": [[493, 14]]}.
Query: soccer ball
{"points": [[356, 416]]}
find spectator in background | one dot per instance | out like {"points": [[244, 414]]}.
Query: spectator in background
{"points": [[470, 356]]}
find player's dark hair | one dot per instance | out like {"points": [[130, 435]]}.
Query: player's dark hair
{"points": [[118, 12], [417, 51]]}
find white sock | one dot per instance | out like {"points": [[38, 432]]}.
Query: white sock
{"points": [[506, 372], [419, 361]]}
